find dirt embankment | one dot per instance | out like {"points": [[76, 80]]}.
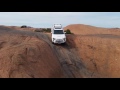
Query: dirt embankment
{"points": [[24, 55], [98, 51]]}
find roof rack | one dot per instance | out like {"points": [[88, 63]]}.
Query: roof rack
{"points": [[57, 26]]}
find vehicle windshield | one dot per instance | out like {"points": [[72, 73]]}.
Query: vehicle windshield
{"points": [[58, 32]]}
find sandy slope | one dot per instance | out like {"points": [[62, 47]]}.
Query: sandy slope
{"points": [[90, 52], [81, 29], [98, 51], [24, 55]]}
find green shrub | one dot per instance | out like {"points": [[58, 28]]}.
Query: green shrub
{"points": [[37, 30], [68, 31], [47, 30], [24, 26]]}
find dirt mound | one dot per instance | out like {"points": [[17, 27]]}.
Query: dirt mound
{"points": [[23, 55], [87, 29]]}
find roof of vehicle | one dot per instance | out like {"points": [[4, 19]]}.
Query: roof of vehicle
{"points": [[57, 29], [57, 26]]}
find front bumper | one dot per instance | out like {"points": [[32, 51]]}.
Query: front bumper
{"points": [[59, 41]]}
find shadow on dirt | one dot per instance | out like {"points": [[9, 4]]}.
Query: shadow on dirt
{"points": [[66, 46]]}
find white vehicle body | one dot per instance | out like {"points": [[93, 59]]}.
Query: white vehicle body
{"points": [[58, 34]]}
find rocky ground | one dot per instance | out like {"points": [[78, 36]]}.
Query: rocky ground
{"points": [[86, 54]]}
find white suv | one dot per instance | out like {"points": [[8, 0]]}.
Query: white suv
{"points": [[58, 34]]}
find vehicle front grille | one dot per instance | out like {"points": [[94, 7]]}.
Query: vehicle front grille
{"points": [[59, 40]]}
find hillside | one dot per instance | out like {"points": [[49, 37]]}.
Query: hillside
{"points": [[91, 52], [98, 50], [81, 29], [24, 55]]}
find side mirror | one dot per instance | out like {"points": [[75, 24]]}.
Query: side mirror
{"points": [[65, 32]]}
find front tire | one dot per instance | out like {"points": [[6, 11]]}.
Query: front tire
{"points": [[64, 43], [52, 42]]}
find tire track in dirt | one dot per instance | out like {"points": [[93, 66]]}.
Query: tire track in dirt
{"points": [[68, 59]]}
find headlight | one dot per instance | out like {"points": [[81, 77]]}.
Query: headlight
{"points": [[64, 39], [53, 39]]}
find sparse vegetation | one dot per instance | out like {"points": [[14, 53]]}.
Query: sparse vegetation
{"points": [[37, 30], [68, 31], [24, 26], [116, 28], [48, 30]]}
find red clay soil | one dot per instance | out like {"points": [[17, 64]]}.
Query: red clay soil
{"points": [[91, 52], [23, 55], [99, 51]]}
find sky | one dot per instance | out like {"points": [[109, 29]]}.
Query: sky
{"points": [[47, 19]]}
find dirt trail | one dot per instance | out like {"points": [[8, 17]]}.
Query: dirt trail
{"points": [[67, 56], [93, 53]]}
